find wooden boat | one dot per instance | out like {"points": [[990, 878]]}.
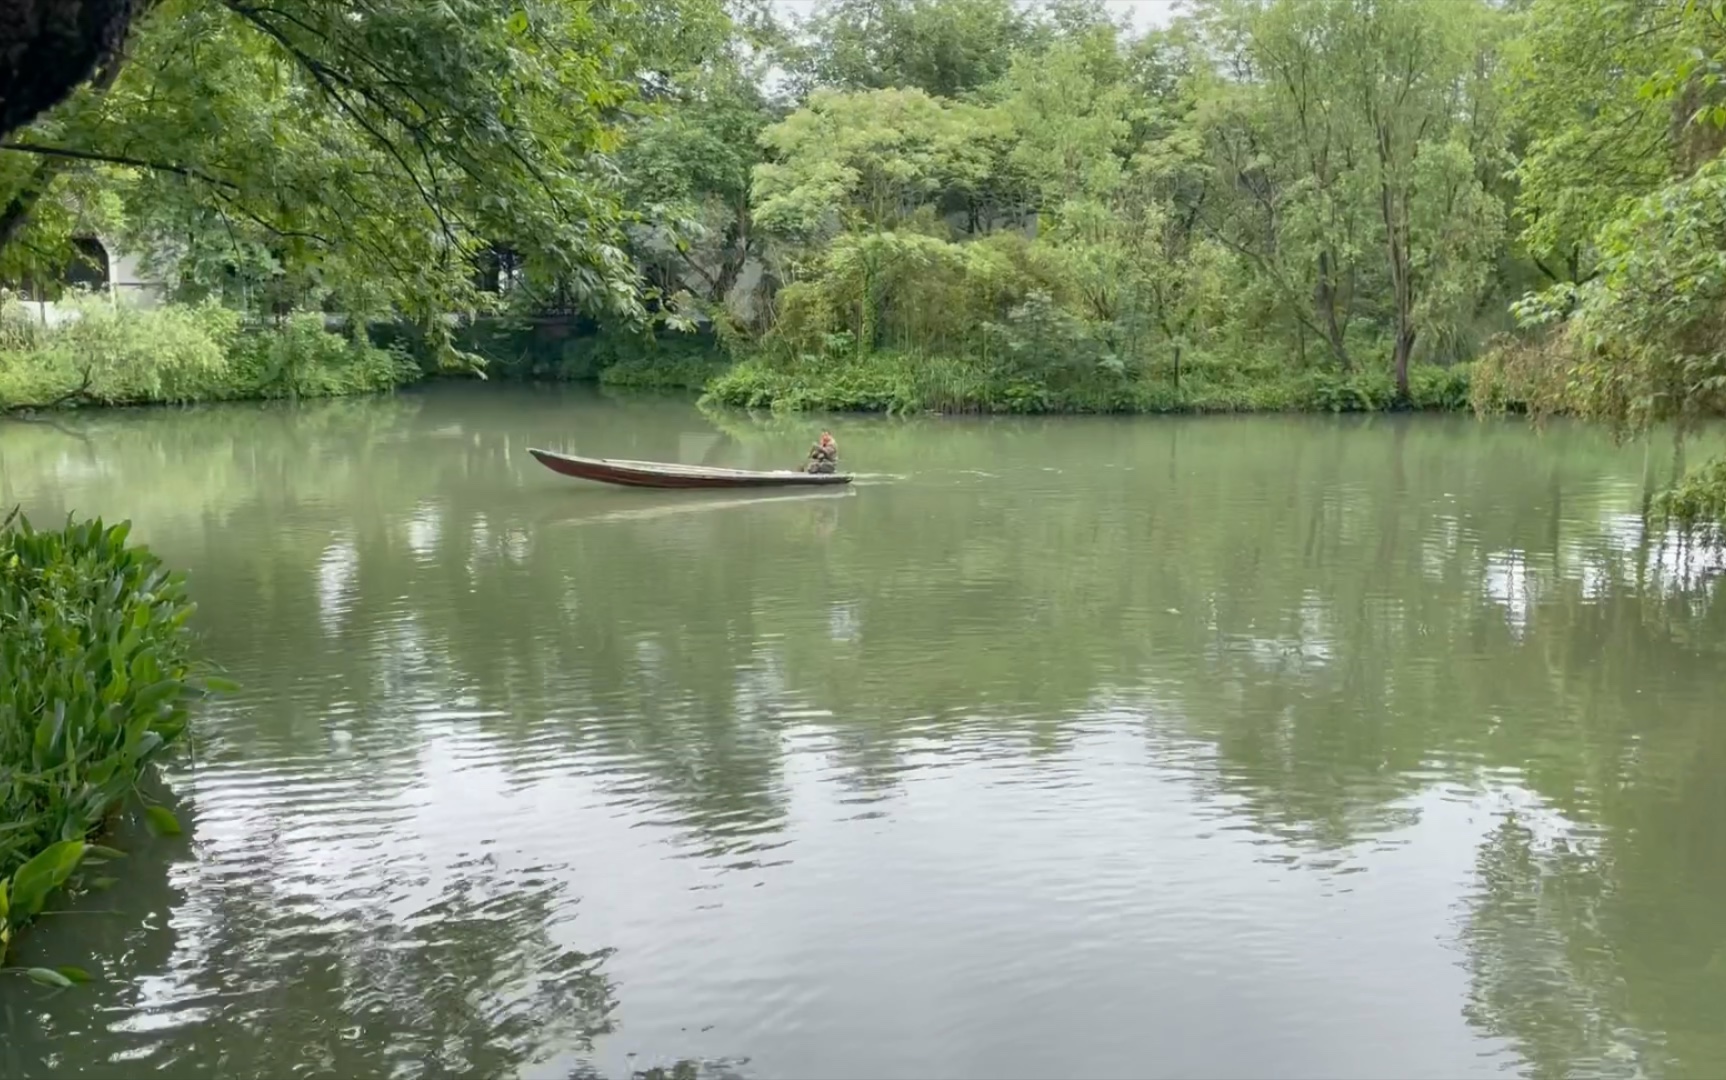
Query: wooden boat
{"points": [[654, 474]]}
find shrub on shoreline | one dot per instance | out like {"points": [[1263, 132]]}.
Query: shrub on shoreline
{"points": [[181, 353]]}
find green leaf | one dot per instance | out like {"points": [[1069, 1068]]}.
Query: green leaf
{"points": [[152, 696], [147, 744], [518, 22], [217, 685], [73, 974], [42, 875], [118, 682], [49, 977], [104, 852], [162, 821]]}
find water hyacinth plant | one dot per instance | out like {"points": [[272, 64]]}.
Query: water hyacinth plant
{"points": [[96, 684]]}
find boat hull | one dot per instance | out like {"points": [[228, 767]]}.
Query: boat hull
{"points": [[648, 474]]}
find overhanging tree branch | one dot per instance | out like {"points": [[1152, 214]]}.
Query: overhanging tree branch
{"points": [[277, 230], [25, 198], [416, 117], [327, 81], [117, 159]]}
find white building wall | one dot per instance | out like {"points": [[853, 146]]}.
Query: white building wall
{"points": [[126, 279]]}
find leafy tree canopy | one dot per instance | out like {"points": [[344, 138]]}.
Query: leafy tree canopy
{"points": [[365, 152]]}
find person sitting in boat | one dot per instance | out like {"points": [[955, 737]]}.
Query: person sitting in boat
{"points": [[824, 455]]}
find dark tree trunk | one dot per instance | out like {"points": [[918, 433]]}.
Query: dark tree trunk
{"points": [[16, 213], [1325, 299], [48, 47], [736, 256], [1402, 289], [1393, 205]]}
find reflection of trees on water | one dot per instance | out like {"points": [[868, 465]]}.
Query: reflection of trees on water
{"points": [[1346, 615], [681, 1070], [1545, 970], [331, 955], [42, 1033], [1595, 939], [470, 985]]}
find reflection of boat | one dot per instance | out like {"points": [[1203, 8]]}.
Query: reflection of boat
{"points": [[654, 509], [655, 474]]}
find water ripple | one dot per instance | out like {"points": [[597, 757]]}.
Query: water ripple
{"points": [[1273, 747]]}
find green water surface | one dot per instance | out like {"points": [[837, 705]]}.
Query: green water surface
{"points": [[1223, 747]]}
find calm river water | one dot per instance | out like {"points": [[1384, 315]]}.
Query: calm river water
{"points": [[1200, 748]]}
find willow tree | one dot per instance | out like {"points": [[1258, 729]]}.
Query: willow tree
{"points": [[686, 166], [1593, 139], [1114, 172], [851, 190], [1354, 160], [948, 48]]}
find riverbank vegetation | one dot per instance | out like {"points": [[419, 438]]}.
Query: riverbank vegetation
{"points": [[903, 383], [111, 355], [936, 204], [95, 685]]}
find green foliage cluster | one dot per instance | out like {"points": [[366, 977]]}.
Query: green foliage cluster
{"points": [[684, 362], [557, 352], [105, 354], [96, 684], [1033, 196], [301, 357], [1697, 503]]}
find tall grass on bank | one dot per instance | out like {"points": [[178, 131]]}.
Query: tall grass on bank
{"points": [[96, 684], [898, 382], [107, 354]]}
